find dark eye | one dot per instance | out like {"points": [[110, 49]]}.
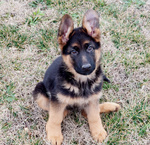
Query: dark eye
{"points": [[74, 52], [90, 48]]}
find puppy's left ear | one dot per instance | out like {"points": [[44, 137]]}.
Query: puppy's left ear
{"points": [[91, 24], [65, 28]]}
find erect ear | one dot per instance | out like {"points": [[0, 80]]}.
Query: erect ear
{"points": [[65, 28], [91, 24]]}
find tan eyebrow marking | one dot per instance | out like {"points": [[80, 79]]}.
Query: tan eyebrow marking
{"points": [[85, 42], [75, 44]]}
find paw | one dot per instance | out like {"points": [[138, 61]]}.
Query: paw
{"points": [[109, 107], [55, 140], [100, 136], [114, 107], [54, 134]]}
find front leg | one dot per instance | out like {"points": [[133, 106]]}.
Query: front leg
{"points": [[96, 128], [53, 126]]}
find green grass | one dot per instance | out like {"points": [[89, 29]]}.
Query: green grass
{"points": [[107, 86], [134, 2], [126, 121], [10, 36], [28, 45], [46, 37], [35, 18], [7, 94]]}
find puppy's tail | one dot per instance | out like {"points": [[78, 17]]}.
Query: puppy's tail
{"points": [[41, 97]]}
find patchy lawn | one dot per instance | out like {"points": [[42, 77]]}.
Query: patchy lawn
{"points": [[28, 45]]}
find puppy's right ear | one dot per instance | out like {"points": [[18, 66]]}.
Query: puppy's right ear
{"points": [[65, 28]]}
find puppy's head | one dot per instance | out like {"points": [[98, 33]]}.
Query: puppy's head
{"points": [[80, 47]]}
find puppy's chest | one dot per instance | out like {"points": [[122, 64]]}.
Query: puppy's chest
{"points": [[79, 95], [81, 89]]}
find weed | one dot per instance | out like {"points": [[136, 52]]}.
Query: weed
{"points": [[9, 95], [107, 86], [35, 18]]}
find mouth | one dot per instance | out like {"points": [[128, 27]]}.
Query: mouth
{"points": [[87, 72]]}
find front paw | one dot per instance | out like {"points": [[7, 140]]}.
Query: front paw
{"points": [[99, 136], [54, 139], [54, 134]]}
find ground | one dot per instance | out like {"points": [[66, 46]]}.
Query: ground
{"points": [[28, 45]]}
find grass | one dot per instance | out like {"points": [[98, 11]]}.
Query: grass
{"points": [[10, 36], [28, 45]]}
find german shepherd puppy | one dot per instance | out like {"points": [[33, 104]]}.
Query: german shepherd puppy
{"points": [[75, 78]]}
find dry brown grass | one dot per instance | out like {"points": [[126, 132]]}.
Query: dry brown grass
{"points": [[126, 61]]}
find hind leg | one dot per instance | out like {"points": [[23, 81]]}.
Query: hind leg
{"points": [[105, 108], [43, 102], [41, 97], [109, 107]]}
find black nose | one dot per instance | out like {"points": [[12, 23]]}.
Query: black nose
{"points": [[86, 67]]}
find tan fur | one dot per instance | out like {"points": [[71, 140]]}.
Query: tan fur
{"points": [[65, 113], [68, 61], [98, 55], [71, 87], [53, 126], [97, 83], [79, 100], [96, 128], [109, 107], [75, 44], [86, 42], [105, 108], [43, 102], [83, 78]]}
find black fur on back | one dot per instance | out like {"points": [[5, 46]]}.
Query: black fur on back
{"points": [[40, 88]]}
